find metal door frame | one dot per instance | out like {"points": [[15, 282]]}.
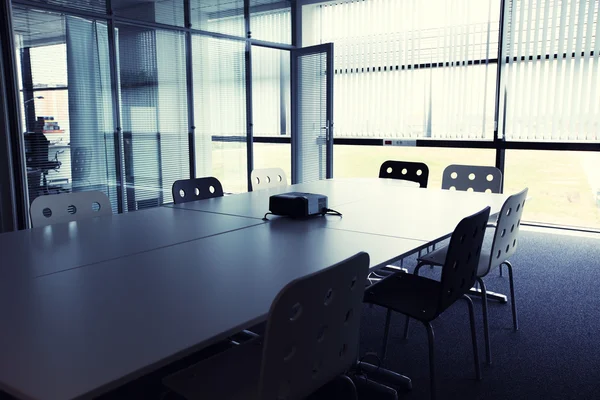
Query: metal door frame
{"points": [[327, 49]]}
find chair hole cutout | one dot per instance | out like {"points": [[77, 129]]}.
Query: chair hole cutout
{"points": [[454, 175], [295, 312], [181, 193], [343, 350], [328, 297], [348, 315], [321, 334], [47, 212], [290, 353], [96, 206], [71, 209]]}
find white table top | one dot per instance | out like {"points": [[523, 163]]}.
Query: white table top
{"points": [[413, 213], [107, 300], [90, 329], [256, 204], [54, 248]]}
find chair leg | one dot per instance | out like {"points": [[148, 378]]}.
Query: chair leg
{"points": [[432, 377], [407, 322], [473, 337], [350, 384], [386, 331], [486, 330], [512, 294]]}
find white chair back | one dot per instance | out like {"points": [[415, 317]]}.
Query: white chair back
{"points": [[267, 178], [67, 207], [475, 177], [507, 230], [312, 332]]}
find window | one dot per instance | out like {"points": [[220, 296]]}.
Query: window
{"points": [[427, 69], [564, 186], [221, 16], [551, 61], [270, 20], [67, 103], [153, 113], [220, 111]]}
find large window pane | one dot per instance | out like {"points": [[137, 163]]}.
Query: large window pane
{"points": [[97, 6], [270, 155], [220, 110], [169, 12], [222, 16], [364, 161], [426, 69], [271, 20], [550, 69], [564, 186], [153, 113], [67, 103]]}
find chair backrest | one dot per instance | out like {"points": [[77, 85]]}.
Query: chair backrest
{"points": [[312, 332], [405, 170], [196, 189], [507, 230], [462, 258], [67, 207], [475, 177], [266, 178]]}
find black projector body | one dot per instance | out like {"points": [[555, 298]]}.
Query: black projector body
{"points": [[297, 204]]}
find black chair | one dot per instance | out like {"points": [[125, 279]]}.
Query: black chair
{"points": [[504, 245], [196, 189], [405, 170], [475, 177], [425, 299], [311, 338]]}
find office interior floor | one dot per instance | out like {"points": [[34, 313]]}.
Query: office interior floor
{"points": [[554, 355]]}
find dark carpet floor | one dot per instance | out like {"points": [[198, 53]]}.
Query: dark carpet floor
{"points": [[554, 355]]}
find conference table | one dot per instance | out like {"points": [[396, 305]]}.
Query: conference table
{"points": [[88, 306]]}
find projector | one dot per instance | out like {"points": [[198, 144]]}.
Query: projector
{"points": [[297, 204]]}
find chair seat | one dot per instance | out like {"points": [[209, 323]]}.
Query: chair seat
{"points": [[412, 295], [437, 257], [232, 375]]}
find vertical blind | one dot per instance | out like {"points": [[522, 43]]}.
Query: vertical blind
{"points": [[312, 117], [69, 143], [219, 76], [271, 89], [270, 20], [425, 69], [550, 61], [153, 112], [221, 16]]}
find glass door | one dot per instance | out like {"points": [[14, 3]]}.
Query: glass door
{"points": [[312, 113]]}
